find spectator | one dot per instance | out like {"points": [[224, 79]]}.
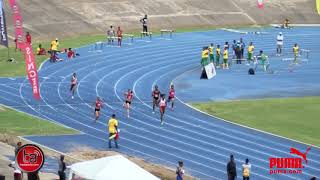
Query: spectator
{"points": [[286, 23], [313, 178], [144, 22], [17, 172], [231, 169], [54, 47], [28, 38], [16, 149], [62, 168], [16, 43], [41, 50], [111, 35], [246, 169], [180, 171], [33, 176], [71, 53], [119, 34], [113, 130]]}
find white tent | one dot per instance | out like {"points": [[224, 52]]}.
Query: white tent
{"points": [[110, 168]]}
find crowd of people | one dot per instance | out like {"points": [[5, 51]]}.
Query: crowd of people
{"points": [[212, 54]]}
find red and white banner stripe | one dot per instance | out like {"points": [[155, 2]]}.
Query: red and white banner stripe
{"points": [[260, 4], [31, 66]]}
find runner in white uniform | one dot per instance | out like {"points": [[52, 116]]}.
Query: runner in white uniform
{"points": [[279, 44], [163, 105]]}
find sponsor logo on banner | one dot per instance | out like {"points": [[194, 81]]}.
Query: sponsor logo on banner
{"points": [[17, 20], [31, 68], [289, 165], [210, 70], [30, 158]]}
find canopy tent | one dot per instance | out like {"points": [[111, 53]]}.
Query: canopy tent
{"points": [[110, 168]]}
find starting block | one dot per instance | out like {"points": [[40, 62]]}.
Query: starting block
{"points": [[146, 34], [170, 31]]}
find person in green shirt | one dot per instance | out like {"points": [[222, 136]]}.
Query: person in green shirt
{"points": [[211, 48], [218, 53], [262, 60], [204, 56]]}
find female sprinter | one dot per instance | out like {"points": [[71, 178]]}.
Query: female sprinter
{"points": [[73, 86], [129, 96], [171, 96], [98, 106], [163, 105], [155, 97]]}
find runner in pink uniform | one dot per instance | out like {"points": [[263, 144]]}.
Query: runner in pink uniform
{"points": [[171, 96], [129, 97]]}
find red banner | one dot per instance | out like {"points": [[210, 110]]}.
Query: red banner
{"points": [[17, 21], [31, 66], [260, 4], [32, 72]]}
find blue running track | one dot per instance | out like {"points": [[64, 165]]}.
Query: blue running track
{"points": [[203, 142]]}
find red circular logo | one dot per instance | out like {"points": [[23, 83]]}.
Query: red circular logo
{"points": [[30, 158]]}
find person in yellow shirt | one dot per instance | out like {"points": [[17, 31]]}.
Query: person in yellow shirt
{"points": [[113, 130], [225, 58], [218, 53], [295, 52], [204, 56], [211, 48], [250, 53], [54, 47]]}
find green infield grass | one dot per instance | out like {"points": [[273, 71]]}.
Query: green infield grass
{"points": [[295, 118]]}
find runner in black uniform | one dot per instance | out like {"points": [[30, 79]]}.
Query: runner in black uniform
{"points": [[98, 106], [155, 97]]}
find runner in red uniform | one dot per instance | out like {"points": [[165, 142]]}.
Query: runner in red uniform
{"points": [[119, 34], [74, 82], [98, 106], [163, 105], [129, 97], [155, 97], [171, 96]]}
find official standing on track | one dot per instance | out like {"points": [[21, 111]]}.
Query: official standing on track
{"points": [[246, 168], [113, 130], [144, 22], [295, 52], [74, 82], [62, 168], [231, 169], [119, 35], [279, 43]]}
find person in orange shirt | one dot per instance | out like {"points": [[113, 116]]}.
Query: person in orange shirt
{"points": [[119, 34]]}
